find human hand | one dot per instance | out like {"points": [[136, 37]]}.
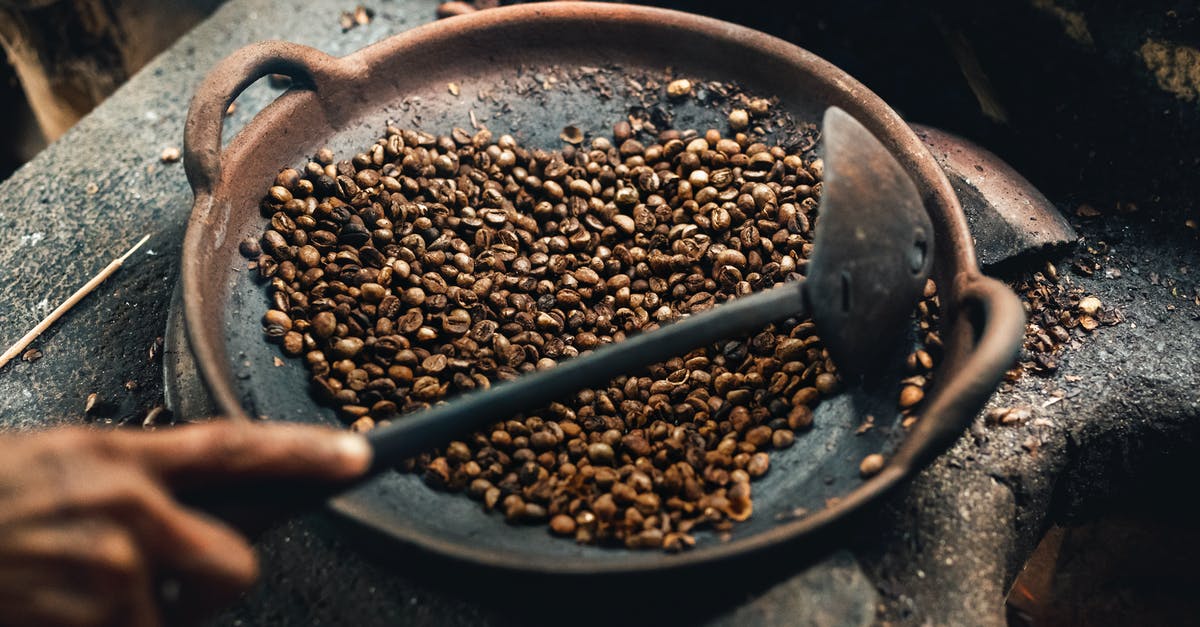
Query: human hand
{"points": [[88, 523]]}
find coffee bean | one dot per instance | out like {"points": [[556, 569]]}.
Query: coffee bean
{"points": [[562, 525], [826, 383], [347, 348], [293, 343], [800, 418], [739, 119], [278, 319], [250, 249], [600, 453], [324, 324], [759, 464], [679, 88], [910, 396], [759, 107], [871, 465]]}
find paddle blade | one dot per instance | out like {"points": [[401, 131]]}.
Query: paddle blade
{"points": [[873, 249]]}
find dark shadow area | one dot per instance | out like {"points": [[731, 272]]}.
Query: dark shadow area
{"points": [[1127, 559], [1072, 96], [23, 140]]}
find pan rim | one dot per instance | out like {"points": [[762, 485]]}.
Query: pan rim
{"points": [[959, 261]]}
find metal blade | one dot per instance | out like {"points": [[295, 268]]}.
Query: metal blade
{"points": [[872, 252]]}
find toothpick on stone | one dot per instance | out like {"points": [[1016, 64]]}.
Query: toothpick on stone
{"points": [[66, 305]]}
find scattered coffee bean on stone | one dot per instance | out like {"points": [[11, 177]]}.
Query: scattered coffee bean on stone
{"points": [[1059, 312], [679, 88]]}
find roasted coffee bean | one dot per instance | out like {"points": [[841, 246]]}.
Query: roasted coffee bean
{"points": [[277, 319], [250, 249], [324, 324], [871, 465], [910, 396], [600, 453], [347, 348], [826, 383], [563, 525], [739, 119], [293, 343]]}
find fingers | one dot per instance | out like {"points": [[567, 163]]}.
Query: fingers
{"points": [[141, 607], [221, 450], [210, 563], [201, 552], [75, 573], [179, 541], [58, 607], [89, 520]]}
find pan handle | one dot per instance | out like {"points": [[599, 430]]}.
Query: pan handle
{"points": [[307, 67], [996, 320]]}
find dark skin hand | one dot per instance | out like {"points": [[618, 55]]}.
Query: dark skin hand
{"points": [[89, 528]]}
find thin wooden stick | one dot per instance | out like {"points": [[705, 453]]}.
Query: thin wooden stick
{"points": [[68, 304]]}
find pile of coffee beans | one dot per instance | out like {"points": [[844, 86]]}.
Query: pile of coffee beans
{"points": [[429, 266], [1060, 315]]}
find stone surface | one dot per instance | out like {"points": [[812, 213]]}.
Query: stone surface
{"points": [[943, 550], [1119, 416], [835, 592]]}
